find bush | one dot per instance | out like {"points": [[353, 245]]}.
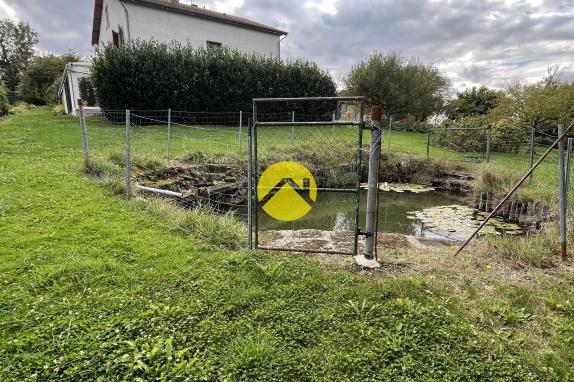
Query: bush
{"points": [[87, 91], [152, 76], [19, 107], [41, 80], [58, 110], [4, 104]]}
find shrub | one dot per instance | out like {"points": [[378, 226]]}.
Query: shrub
{"points": [[41, 80], [152, 75], [19, 107], [4, 104], [87, 91], [58, 110]]}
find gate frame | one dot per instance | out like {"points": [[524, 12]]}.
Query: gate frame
{"points": [[253, 168]]}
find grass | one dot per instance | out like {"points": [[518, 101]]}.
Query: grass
{"points": [[95, 287]]}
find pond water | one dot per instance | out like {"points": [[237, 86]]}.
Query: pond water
{"points": [[430, 214]]}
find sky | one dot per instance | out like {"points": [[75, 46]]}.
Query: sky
{"points": [[473, 42]]}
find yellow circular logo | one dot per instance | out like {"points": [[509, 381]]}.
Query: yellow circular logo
{"points": [[287, 191]]}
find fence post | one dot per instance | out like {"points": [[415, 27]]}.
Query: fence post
{"points": [[240, 129], [390, 131], [532, 147], [293, 127], [563, 190], [428, 141], [373, 182], [568, 162], [84, 131], [128, 156], [168, 134], [249, 185], [333, 129], [488, 142]]}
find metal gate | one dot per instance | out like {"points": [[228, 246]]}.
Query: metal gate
{"points": [[304, 174]]}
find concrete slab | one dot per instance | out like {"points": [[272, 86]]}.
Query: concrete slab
{"points": [[362, 261]]}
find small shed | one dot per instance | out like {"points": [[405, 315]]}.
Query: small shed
{"points": [[70, 86]]}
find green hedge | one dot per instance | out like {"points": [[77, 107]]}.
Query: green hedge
{"points": [[152, 76]]}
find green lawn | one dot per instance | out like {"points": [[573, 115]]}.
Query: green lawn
{"points": [[93, 288]]}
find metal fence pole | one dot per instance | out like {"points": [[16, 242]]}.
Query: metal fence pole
{"points": [[168, 133], [390, 131], [334, 127], [359, 171], [532, 148], [563, 200], [488, 142], [84, 131], [373, 182], [428, 141], [293, 127], [128, 156], [240, 129], [249, 187], [568, 162], [255, 177]]}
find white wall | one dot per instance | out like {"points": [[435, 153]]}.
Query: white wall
{"points": [[75, 71], [117, 18], [166, 26]]}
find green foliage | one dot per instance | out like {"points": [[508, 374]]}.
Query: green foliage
{"points": [[17, 41], [87, 91], [58, 110], [402, 87], [19, 107], [144, 302], [41, 80], [151, 76], [473, 102], [4, 104]]}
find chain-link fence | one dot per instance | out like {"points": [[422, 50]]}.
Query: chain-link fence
{"points": [[305, 178]]}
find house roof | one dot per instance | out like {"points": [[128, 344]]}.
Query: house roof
{"points": [[189, 10]]}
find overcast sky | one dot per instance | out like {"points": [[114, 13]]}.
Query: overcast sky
{"points": [[472, 41]]}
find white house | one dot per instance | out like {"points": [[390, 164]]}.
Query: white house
{"points": [[116, 21]]}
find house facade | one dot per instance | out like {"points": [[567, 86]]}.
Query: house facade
{"points": [[118, 21]]}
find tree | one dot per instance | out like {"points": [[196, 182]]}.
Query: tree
{"points": [[402, 87], [17, 43], [473, 102], [87, 91], [541, 106], [41, 80]]}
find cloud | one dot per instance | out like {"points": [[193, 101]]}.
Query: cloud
{"points": [[7, 11], [491, 42]]}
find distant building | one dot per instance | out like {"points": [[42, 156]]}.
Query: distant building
{"points": [[117, 21]]}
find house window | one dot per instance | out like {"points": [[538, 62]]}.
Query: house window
{"points": [[107, 18], [214, 45]]}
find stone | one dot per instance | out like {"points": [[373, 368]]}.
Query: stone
{"points": [[362, 261]]}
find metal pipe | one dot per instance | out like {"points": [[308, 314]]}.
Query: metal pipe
{"points": [[326, 123], [372, 192], [532, 147], [563, 201], [488, 141], [128, 156], [305, 251], [158, 191], [520, 182], [249, 188], [428, 142], [306, 99], [84, 132], [240, 129], [358, 186], [168, 133], [255, 175], [390, 131], [293, 127]]}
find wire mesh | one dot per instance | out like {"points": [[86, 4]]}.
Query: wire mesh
{"points": [[331, 152]]}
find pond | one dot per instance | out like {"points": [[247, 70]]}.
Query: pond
{"points": [[423, 213]]}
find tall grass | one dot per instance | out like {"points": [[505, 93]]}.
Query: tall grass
{"points": [[199, 223]]}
